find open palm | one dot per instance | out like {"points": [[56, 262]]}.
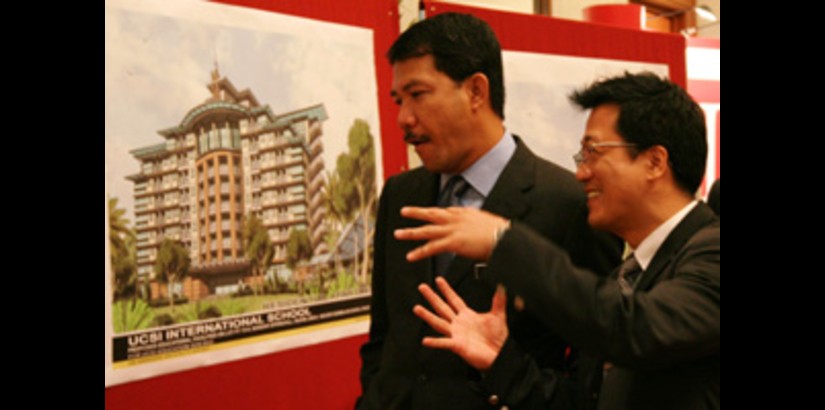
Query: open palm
{"points": [[475, 337]]}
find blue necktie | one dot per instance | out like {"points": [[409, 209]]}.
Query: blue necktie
{"points": [[450, 196]]}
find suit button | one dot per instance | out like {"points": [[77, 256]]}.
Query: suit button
{"points": [[422, 378], [493, 400], [518, 303]]}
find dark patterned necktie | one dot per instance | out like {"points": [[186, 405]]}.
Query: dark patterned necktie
{"points": [[629, 273], [450, 196]]}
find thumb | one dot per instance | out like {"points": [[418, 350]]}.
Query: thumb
{"points": [[499, 302]]}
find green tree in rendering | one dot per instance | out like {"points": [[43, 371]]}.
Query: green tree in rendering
{"points": [[172, 265], [123, 252], [131, 314], [333, 201], [356, 171], [258, 248], [298, 248]]}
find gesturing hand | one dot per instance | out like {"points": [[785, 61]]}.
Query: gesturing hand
{"points": [[475, 337], [465, 231]]}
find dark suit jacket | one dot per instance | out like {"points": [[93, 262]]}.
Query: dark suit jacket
{"points": [[664, 339], [397, 372]]}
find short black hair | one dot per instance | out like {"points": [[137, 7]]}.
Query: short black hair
{"points": [[655, 111], [461, 45]]}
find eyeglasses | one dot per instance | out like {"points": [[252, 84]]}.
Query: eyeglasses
{"points": [[583, 156]]}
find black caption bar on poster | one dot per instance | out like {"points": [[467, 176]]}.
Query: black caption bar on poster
{"points": [[204, 333]]}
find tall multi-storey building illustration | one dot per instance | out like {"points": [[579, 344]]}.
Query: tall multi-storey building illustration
{"points": [[229, 157]]}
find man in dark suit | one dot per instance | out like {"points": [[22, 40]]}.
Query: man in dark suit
{"points": [[655, 322], [448, 83]]}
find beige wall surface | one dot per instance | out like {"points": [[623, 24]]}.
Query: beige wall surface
{"points": [[566, 9]]}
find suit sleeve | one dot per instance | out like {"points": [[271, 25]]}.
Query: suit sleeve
{"points": [[677, 320], [379, 322], [517, 381], [515, 377]]}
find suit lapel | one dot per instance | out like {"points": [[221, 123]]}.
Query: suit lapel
{"points": [[695, 220], [508, 198], [422, 192]]}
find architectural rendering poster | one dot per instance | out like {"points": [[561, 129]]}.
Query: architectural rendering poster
{"points": [[242, 172]]}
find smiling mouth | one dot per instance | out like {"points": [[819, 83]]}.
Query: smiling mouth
{"points": [[415, 140]]}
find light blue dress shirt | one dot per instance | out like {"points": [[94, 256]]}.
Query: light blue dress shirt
{"points": [[484, 173]]}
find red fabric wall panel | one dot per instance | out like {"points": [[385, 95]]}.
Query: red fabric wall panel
{"points": [[718, 143], [323, 376]]}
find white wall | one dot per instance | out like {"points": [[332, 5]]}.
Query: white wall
{"points": [[574, 9]]}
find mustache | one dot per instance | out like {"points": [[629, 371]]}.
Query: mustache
{"points": [[411, 138]]}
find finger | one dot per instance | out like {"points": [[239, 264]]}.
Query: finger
{"points": [[431, 214], [438, 304], [425, 232], [440, 325], [499, 307], [439, 343], [452, 298], [432, 247]]}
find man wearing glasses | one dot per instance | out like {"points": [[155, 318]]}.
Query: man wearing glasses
{"points": [[654, 323]]}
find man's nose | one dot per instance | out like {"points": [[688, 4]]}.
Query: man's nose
{"points": [[406, 118]]}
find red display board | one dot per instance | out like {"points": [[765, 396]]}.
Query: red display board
{"points": [[325, 376]]}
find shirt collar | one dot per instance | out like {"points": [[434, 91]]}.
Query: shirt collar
{"points": [[647, 249], [484, 173]]}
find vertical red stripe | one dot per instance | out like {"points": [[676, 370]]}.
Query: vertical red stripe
{"points": [[705, 91], [718, 142], [704, 42]]}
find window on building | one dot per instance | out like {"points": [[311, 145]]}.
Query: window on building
{"points": [[226, 138], [297, 209], [203, 144], [214, 139], [236, 136]]}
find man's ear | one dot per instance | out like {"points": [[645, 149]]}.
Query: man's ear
{"points": [[478, 89], [658, 161]]}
